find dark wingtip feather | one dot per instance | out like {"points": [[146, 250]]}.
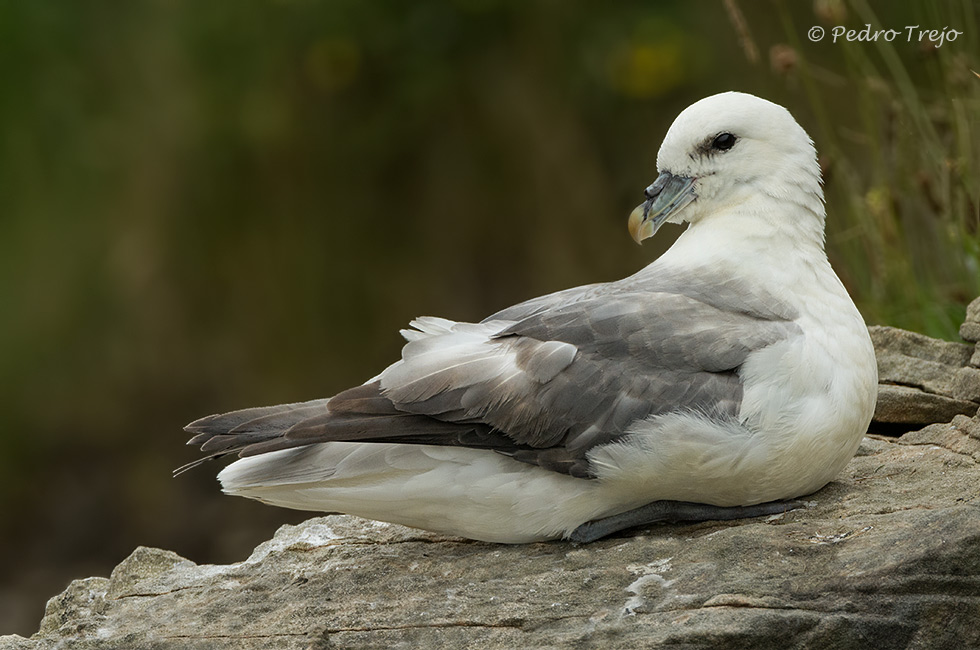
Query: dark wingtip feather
{"points": [[217, 423], [199, 439], [230, 433]]}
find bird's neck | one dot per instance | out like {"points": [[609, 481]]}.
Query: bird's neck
{"points": [[764, 232]]}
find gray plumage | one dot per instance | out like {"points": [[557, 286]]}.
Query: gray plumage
{"points": [[592, 361]]}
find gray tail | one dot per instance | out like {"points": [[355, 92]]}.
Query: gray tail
{"points": [[360, 414]]}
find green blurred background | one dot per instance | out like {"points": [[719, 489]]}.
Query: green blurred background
{"points": [[212, 205]]}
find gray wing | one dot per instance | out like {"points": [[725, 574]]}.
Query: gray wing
{"points": [[549, 301], [562, 374]]}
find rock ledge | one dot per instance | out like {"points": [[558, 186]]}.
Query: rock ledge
{"points": [[888, 556]]}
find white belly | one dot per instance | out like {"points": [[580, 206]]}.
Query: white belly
{"points": [[458, 491]]}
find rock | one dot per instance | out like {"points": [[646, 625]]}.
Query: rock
{"points": [[77, 610], [966, 384], [970, 330], [911, 406], [950, 435], [923, 380], [888, 556], [904, 346]]}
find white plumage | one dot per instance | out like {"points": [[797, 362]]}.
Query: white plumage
{"points": [[734, 370]]}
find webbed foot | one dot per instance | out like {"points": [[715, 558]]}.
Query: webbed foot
{"points": [[674, 511]]}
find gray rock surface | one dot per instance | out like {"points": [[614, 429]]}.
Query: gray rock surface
{"points": [[905, 405], [886, 557], [970, 329], [923, 380]]}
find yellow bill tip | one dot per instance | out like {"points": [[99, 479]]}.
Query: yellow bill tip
{"points": [[639, 226]]}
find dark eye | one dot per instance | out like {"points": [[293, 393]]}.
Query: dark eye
{"points": [[723, 142]]}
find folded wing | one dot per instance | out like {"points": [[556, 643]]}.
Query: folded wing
{"points": [[544, 381]]}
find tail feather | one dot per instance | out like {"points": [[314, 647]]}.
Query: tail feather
{"points": [[234, 432], [361, 414], [260, 419]]}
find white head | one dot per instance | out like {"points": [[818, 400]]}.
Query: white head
{"points": [[725, 151]]}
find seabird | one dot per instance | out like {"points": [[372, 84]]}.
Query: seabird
{"points": [[731, 375]]}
